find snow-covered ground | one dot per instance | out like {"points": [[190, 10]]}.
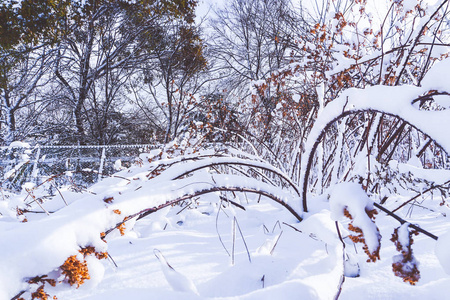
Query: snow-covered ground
{"points": [[207, 247], [301, 266]]}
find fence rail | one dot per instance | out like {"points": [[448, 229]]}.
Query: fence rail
{"points": [[88, 163]]}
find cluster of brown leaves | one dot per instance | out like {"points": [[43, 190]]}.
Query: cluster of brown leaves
{"points": [[122, 227], [342, 23], [40, 292], [358, 237], [108, 200], [405, 267], [42, 279], [155, 172], [76, 271], [91, 250], [20, 212]]}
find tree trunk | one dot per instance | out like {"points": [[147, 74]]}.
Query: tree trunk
{"points": [[11, 134]]}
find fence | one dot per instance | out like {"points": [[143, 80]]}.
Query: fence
{"points": [[87, 164]]}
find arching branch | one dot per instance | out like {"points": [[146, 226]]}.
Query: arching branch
{"points": [[312, 152], [145, 212], [251, 165]]}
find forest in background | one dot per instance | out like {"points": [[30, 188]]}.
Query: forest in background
{"points": [[106, 72], [252, 72], [335, 110]]}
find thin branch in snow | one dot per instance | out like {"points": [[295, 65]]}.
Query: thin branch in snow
{"points": [[342, 280], [276, 242], [233, 231], [232, 202], [265, 229], [420, 194], [236, 225], [402, 221], [37, 201], [112, 260], [188, 205], [62, 197], [275, 225], [217, 229], [298, 230]]}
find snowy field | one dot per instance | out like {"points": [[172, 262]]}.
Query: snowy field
{"points": [[303, 265], [220, 245]]}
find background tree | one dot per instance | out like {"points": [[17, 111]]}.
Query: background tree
{"points": [[175, 76], [250, 40], [105, 44], [21, 74], [27, 32]]}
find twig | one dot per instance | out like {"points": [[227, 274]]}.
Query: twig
{"points": [[234, 240], [110, 257], [341, 282], [275, 225], [65, 202], [420, 194], [37, 201], [243, 239], [184, 208], [298, 230], [402, 221], [217, 229], [246, 197], [276, 243], [18, 295], [36, 212], [232, 202]]}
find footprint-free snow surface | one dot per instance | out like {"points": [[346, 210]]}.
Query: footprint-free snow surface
{"points": [[220, 245]]}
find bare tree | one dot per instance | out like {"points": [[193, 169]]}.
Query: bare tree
{"points": [[250, 40], [105, 44], [21, 74]]}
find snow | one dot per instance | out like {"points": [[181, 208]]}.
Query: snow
{"points": [[403, 235], [19, 144], [185, 252], [244, 243], [352, 197], [48, 241], [441, 251], [177, 281], [295, 259], [434, 79]]}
